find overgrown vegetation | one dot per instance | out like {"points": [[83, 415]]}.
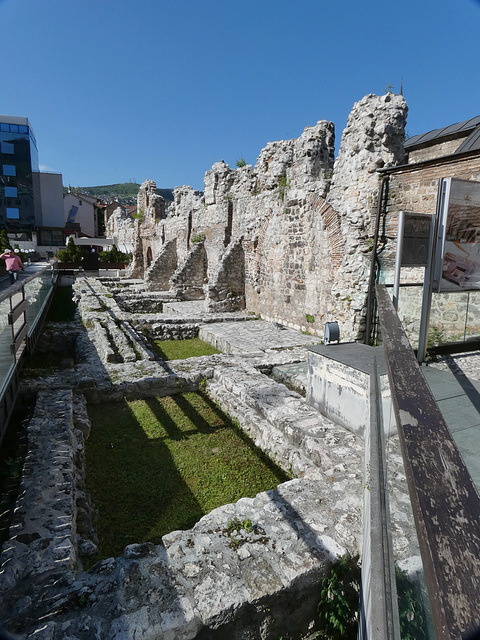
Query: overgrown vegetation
{"points": [[199, 237], [72, 254], [410, 609], [340, 599], [181, 349], [160, 464], [283, 185]]}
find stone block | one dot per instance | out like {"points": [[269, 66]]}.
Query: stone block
{"points": [[338, 385]]}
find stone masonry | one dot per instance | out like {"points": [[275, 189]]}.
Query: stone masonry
{"points": [[196, 584], [303, 223]]}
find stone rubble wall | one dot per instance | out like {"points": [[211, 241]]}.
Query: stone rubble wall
{"points": [[226, 289], [188, 280], [249, 569], [306, 222], [162, 268], [43, 530], [121, 227]]}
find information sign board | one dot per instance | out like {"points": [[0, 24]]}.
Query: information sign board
{"points": [[457, 266]]}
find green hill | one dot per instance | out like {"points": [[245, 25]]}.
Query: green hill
{"points": [[121, 191]]}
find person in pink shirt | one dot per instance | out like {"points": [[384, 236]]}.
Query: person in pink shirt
{"points": [[13, 264]]}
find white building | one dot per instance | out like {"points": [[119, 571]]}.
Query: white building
{"points": [[80, 209]]}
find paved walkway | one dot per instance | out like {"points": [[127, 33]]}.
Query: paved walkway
{"points": [[22, 275], [455, 384]]}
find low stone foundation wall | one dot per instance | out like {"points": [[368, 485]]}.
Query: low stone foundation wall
{"points": [[222, 579]]}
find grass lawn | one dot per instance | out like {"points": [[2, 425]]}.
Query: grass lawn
{"points": [[160, 464], [180, 349]]}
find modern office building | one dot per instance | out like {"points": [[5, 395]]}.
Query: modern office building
{"points": [[18, 162], [31, 201]]}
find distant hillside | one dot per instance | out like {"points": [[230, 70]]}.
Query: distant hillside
{"points": [[122, 191]]}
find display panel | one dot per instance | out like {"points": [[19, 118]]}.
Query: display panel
{"points": [[458, 260]]}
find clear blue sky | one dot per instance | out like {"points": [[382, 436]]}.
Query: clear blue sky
{"points": [[118, 90]]}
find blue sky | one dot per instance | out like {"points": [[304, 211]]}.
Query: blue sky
{"points": [[118, 90]]}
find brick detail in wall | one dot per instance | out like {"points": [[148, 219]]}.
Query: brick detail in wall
{"points": [[333, 231]]}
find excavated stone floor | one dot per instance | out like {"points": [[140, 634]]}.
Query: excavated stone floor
{"points": [[194, 585]]}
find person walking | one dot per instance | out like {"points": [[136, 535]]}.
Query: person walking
{"points": [[13, 264]]}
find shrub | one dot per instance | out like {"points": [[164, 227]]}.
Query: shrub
{"points": [[114, 255]]}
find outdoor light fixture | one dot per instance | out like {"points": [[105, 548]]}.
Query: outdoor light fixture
{"points": [[332, 333]]}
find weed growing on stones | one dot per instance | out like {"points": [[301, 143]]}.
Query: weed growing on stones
{"points": [[340, 597]]}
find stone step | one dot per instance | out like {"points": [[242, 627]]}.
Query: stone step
{"points": [[282, 424]]}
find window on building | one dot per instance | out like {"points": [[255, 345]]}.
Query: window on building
{"points": [[13, 213], [9, 170], [4, 126], [7, 147], [11, 192]]}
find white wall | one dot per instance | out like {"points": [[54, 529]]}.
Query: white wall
{"points": [[85, 214]]}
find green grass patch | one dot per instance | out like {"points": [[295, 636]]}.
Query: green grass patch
{"points": [[181, 349], [62, 307], [160, 464]]}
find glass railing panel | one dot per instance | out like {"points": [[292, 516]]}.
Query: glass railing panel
{"points": [[454, 317], [413, 604], [36, 291], [6, 355]]}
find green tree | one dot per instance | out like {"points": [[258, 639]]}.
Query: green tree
{"points": [[4, 241], [71, 254], [114, 255], [241, 163]]}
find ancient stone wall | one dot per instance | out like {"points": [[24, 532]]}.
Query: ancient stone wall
{"points": [[163, 267], [189, 279], [121, 227], [148, 228], [305, 222]]}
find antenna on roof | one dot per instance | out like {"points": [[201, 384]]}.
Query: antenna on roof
{"points": [[401, 86]]}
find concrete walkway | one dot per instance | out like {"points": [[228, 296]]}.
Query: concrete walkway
{"points": [[455, 384]]}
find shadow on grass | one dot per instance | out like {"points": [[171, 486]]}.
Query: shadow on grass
{"points": [[160, 464], [134, 482]]}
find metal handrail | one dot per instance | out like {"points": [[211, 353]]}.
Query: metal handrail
{"points": [[444, 498]]}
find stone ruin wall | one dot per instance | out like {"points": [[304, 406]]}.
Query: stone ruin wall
{"points": [[304, 221]]}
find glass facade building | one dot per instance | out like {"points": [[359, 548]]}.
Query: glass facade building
{"points": [[18, 163]]}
